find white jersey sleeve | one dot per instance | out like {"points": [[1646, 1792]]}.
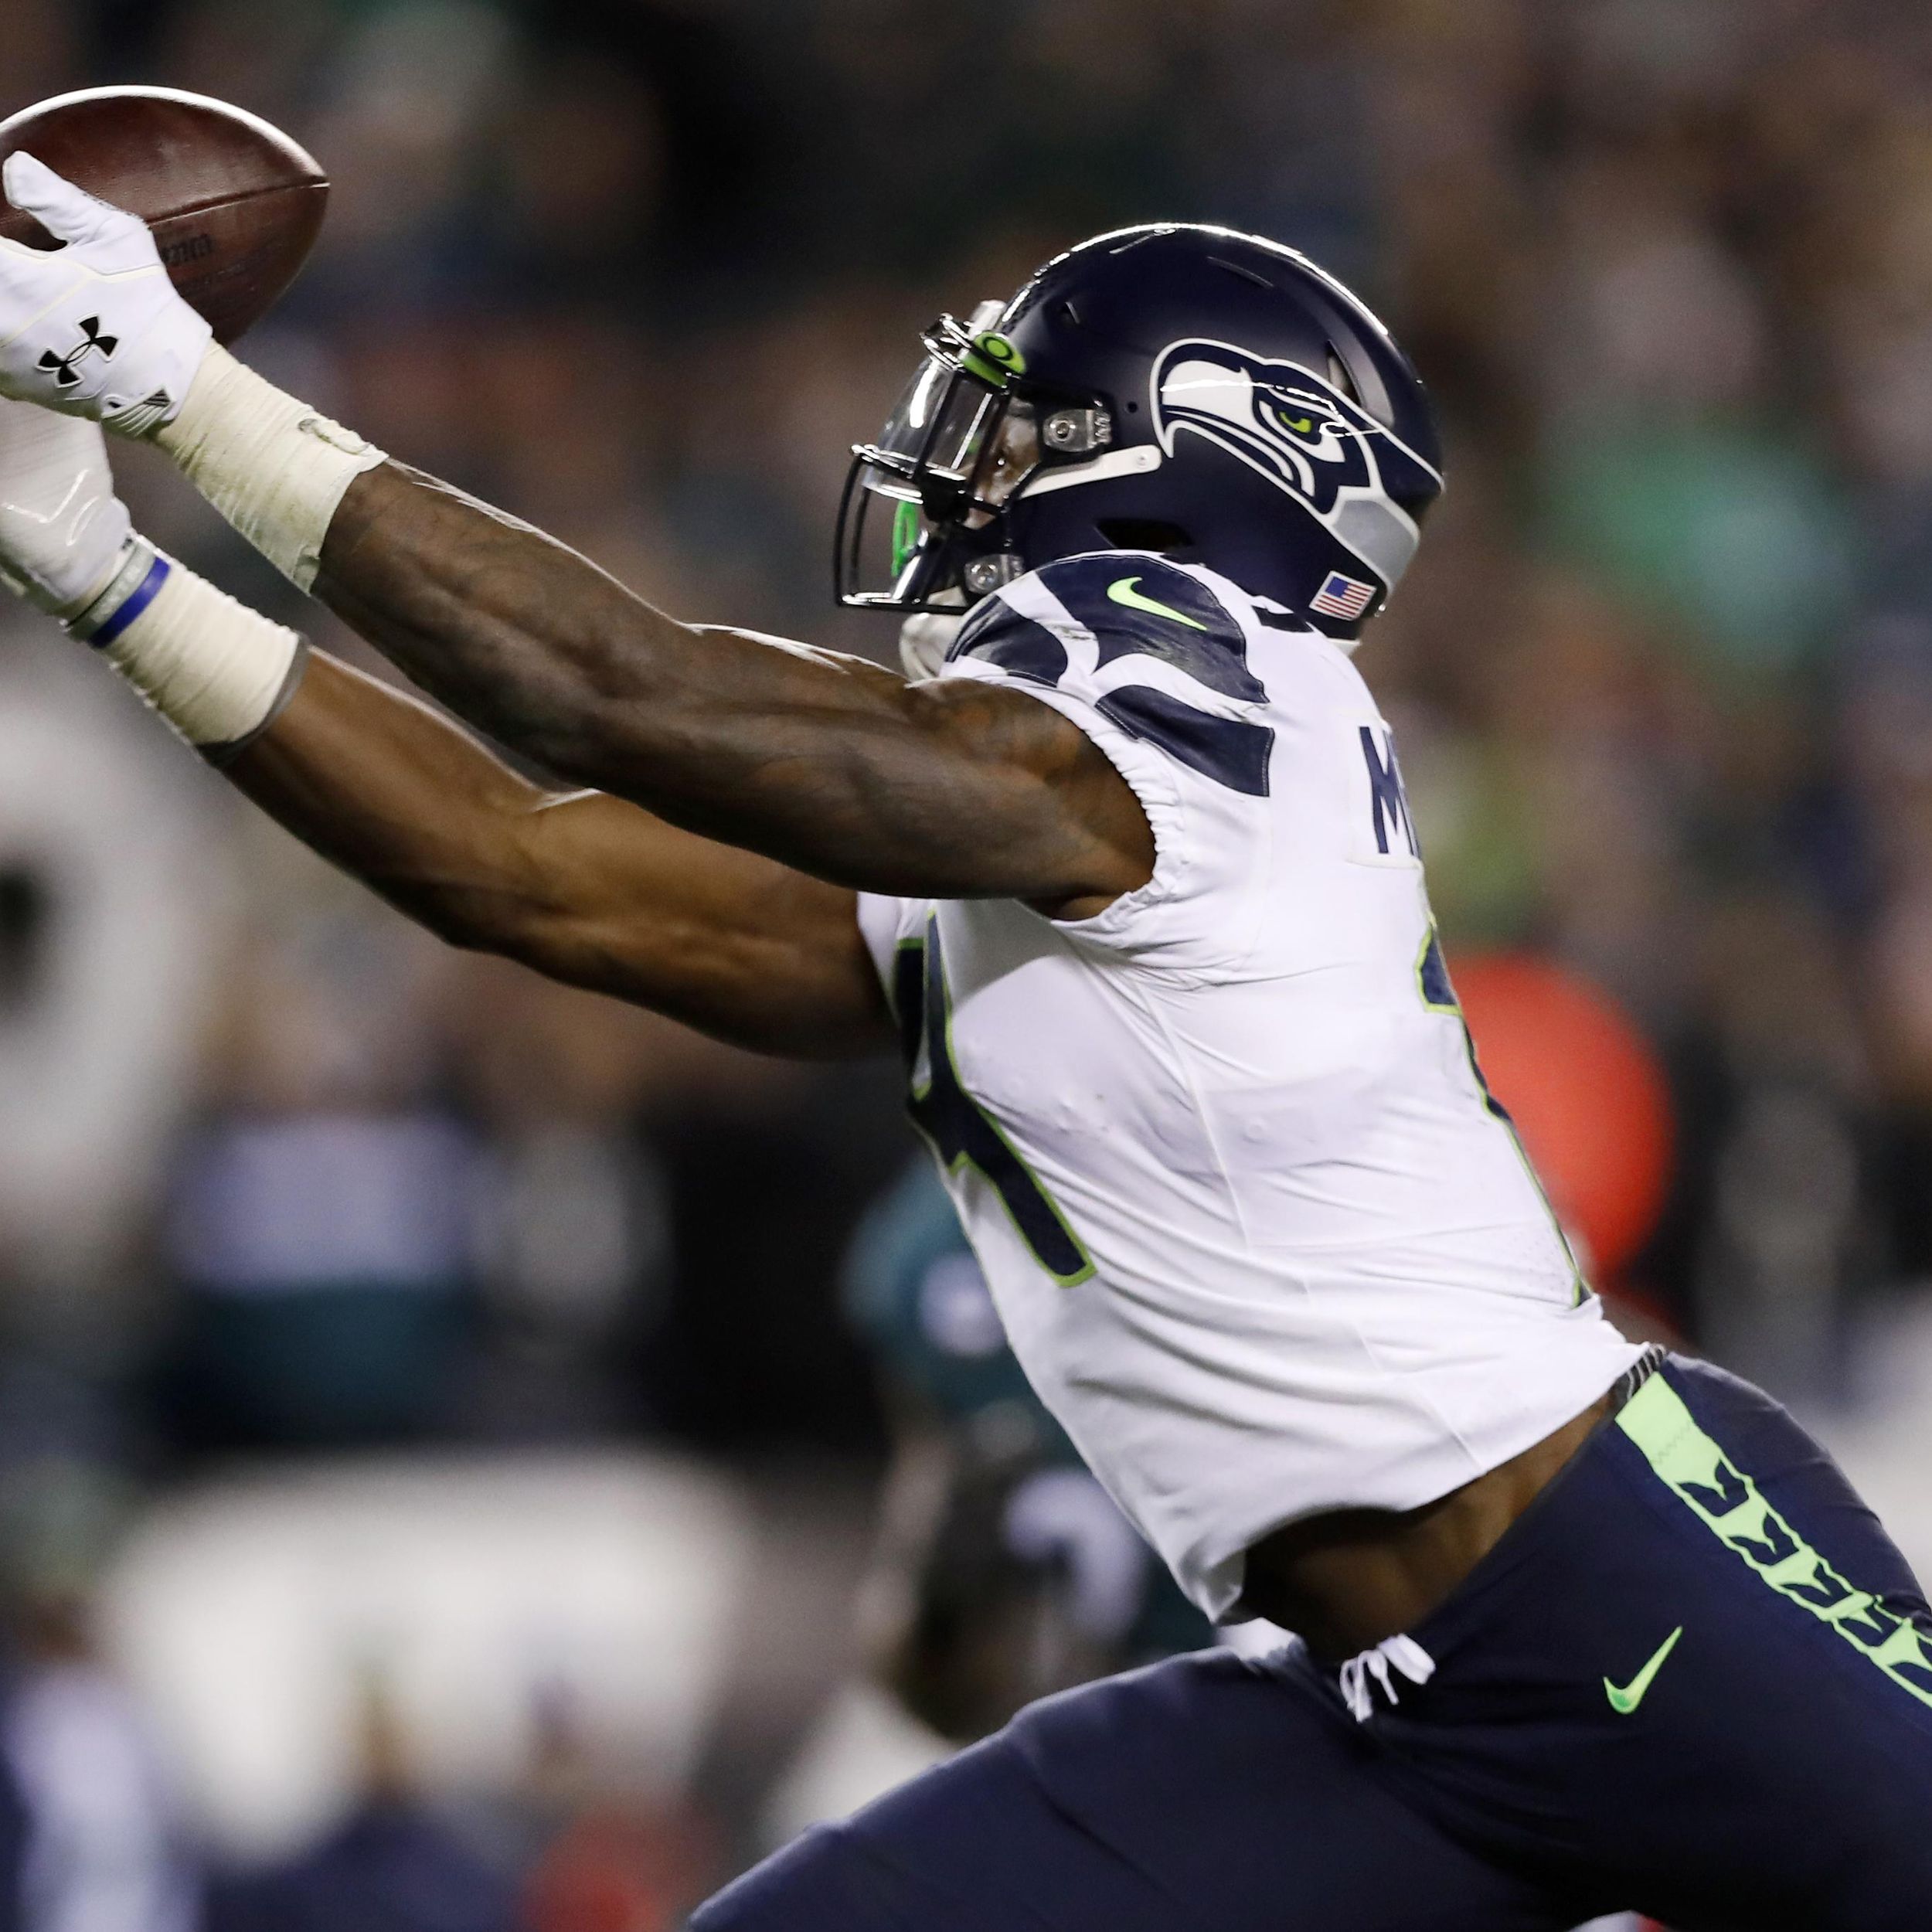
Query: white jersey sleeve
{"points": [[1151, 661], [883, 921]]}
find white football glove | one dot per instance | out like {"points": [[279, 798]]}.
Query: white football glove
{"points": [[93, 328], [63, 530]]}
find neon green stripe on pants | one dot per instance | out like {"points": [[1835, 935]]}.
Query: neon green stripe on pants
{"points": [[1729, 1505]]}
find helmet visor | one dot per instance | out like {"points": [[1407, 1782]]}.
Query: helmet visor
{"points": [[960, 432], [943, 426], [956, 447]]}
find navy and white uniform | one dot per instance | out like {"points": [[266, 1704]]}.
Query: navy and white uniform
{"points": [[1260, 1239], [1267, 1247]]}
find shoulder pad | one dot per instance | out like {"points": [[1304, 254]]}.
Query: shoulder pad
{"points": [[1132, 603], [1111, 610], [995, 631]]}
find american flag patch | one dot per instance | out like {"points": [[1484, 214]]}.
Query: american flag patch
{"points": [[1343, 597]]}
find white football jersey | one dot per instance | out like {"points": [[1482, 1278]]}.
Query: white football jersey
{"points": [[1261, 1239]]}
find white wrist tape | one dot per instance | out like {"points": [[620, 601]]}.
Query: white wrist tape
{"points": [[217, 671], [274, 468]]}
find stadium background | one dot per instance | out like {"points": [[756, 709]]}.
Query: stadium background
{"points": [[435, 1478]]}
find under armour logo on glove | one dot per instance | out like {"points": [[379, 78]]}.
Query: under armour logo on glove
{"points": [[66, 369], [128, 364]]}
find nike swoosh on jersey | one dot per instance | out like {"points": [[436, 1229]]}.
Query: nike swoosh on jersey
{"points": [[1625, 1698], [1124, 590]]}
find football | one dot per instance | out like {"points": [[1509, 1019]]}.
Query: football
{"points": [[234, 204]]}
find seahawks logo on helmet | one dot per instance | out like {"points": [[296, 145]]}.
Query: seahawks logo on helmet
{"points": [[1305, 436]]}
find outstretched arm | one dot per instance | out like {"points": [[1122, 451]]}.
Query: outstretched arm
{"points": [[584, 887], [825, 762]]}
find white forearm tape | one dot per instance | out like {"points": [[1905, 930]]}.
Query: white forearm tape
{"points": [[277, 469], [217, 671]]}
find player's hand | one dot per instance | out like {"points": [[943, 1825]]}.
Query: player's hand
{"points": [[94, 328], [62, 527]]}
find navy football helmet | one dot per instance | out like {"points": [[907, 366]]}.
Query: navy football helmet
{"points": [[1211, 395]]}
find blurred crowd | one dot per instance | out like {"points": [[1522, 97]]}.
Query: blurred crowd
{"points": [[280, 1178]]}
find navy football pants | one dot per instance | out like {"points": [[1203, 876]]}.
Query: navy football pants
{"points": [[1695, 1680]]}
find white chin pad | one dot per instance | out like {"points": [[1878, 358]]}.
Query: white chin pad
{"points": [[923, 642]]}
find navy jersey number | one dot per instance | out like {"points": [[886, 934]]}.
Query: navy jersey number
{"points": [[958, 1126]]}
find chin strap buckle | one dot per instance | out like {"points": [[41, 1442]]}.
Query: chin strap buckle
{"points": [[986, 574], [1077, 432]]}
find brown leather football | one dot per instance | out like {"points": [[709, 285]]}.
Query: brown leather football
{"points": [[234, 205]]}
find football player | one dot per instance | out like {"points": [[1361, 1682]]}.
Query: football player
{"points": [[1132, 881], [1006, 1572]]}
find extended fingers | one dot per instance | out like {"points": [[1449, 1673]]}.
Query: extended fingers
{"points": [[68, 213]]}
